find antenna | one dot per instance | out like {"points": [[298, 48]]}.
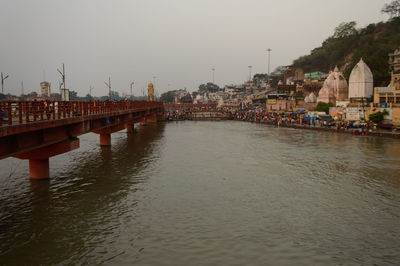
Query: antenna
{"points": [[109, 87]]}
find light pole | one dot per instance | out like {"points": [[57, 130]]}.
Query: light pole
{"points": [[90, 91], [3, 78], [131, 90], [269, 60], [154, 86], [213, 75], [109, 87], [250, 73]]}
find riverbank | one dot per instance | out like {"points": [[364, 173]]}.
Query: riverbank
{"points": [[356, 132]]}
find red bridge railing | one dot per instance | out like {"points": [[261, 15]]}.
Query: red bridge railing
{"points": [[25, 112]]}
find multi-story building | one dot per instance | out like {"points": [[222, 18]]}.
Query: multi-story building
{"points": [[45, 86], [389, 97]]}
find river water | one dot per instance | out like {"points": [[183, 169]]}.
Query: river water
{"points": [[207, 193]]}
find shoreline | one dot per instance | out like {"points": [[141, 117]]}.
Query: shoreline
{"points": [[354, 132]]}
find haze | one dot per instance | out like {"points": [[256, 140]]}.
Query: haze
{"points": [[177, 41]]}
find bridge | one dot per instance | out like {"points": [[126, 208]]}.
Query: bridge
{"points": [[208, 111], [37, 131]]}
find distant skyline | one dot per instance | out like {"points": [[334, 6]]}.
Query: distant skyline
{"points": [[177, 41]]}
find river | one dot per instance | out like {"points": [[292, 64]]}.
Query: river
{"points": [[207, 193]]}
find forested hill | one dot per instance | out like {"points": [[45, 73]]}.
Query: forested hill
{"points": [[348, 44]]}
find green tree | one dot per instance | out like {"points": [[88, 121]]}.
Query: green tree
{"points": [[392, 9], [168, 97], [186, 99], [324, 107], [345, 29], [209, 87], [259, 78], [378, 116]]}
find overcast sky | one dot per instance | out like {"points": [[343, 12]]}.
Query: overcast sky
{"points": [[178, 41]]}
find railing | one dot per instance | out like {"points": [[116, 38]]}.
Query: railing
{"points": [[25, 112]]}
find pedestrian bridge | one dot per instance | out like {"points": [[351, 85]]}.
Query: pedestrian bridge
{"points": [[36, 131]]}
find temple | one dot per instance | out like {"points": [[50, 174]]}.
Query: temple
{"points": [[150, 92], [361, 82], [334, 88]]}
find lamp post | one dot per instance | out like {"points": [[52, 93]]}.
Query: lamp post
{"points": [[3, 78], [109, 87], [131, 90], [269, 62]]}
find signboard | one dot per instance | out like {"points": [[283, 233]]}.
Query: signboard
{"points": [[271, 101]]}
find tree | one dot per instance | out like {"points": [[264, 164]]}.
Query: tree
{"points": [[392, 9], [259, 78], [345, 29], [209, 87], [324, 107], [168, 97], [186, 99], [73, 95], [378, 116]]}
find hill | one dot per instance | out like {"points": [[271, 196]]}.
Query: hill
{"points": [[348, 44]]}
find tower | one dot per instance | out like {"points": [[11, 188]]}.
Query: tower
{"points": [[150, 92]]}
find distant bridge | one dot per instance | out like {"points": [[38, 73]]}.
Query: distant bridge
{"points": [[37, 131], [206, 111]]}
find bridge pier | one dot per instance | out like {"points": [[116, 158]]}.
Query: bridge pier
{"points": [[39, 163], [39, 169], [105, 140]]}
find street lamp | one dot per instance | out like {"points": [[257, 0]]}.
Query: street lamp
{"points": [[131, 90], [3, 78], [213, 75], [269, 61]]}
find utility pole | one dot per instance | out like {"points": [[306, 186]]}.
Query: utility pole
{"points": [[213, 75], [62, 73], [3, 78], [250, 73], [132, 83], [154, 86], [90, 91], [64, 93], [269, 60], [109, 87]]}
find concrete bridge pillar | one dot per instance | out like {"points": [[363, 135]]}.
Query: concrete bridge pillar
{"points": [[39, 169], [39, 166], [105, 139]]}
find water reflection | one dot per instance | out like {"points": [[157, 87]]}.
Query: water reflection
{"points": [[71, 210]]}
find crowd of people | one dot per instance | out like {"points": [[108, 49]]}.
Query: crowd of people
{"points": [[301, 120]]}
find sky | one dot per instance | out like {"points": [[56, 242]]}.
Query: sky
{"points": [[178, 42]]}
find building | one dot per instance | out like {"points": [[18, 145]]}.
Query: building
{"points": [[334, 89], [394, 61], [388, 98], [361, 82], [45, 86]]}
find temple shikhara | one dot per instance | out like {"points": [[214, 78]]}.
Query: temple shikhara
{"points": [[334, 89], [361, 82]]}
